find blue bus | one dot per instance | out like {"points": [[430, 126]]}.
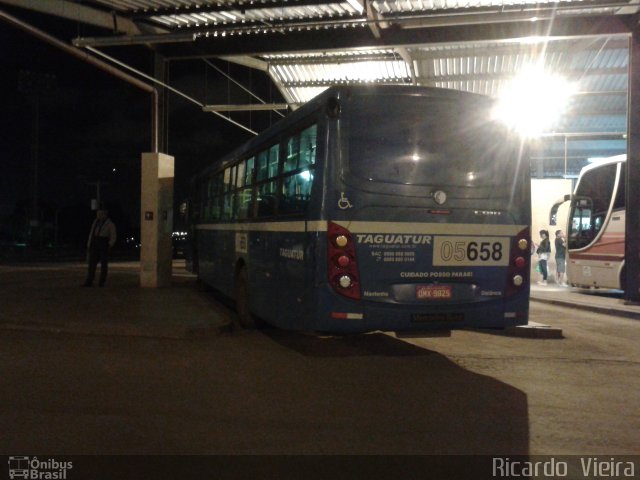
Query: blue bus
{"points": [[391, 208]]}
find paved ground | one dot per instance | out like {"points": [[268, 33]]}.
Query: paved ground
{"points": [[49, 297], [582, 391], [609, 302], [123, 370]]}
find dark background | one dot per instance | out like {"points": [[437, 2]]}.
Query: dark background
{"points": [[93, 127]]}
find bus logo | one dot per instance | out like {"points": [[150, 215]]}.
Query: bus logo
{"points": [[18, 467], [33, 468]]}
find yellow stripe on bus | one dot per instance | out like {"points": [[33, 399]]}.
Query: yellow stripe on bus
{"points": [[369, 227]]}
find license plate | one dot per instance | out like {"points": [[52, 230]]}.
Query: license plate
{"points": [[437, 317], [433, 292]]}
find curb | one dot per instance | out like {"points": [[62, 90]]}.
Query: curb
{"points": [[534, 330], [114, 330], [590, 308]]}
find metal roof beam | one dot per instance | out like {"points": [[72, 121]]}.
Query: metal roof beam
{"points": [[404, 54], [571, 75], [246, 61], [329, 83], [82, 13], [386, 56], [221, 7], [341, 37], [436, 53], [252, 107], [374, 18]]}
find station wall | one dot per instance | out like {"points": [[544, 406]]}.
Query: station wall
{"points": [[544, 193]]}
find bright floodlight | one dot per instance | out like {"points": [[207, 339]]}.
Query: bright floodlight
{"points": [[533, 102]]}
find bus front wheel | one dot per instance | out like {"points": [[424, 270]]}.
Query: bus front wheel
{"points": [[245, 318]]}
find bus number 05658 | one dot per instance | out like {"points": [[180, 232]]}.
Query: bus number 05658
{"points": [[467, 251]]}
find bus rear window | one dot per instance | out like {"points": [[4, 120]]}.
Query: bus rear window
{"points": [[453, 144]]}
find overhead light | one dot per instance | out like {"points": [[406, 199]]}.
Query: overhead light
{"points": [[534, 101], [229, 15]]}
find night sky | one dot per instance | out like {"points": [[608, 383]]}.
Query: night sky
{"points": [[94, 127]]}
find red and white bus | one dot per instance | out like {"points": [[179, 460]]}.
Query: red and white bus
{"points": [[596, 226]]}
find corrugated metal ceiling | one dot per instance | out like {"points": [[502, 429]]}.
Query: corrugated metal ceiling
{"points": [[404, 31]]}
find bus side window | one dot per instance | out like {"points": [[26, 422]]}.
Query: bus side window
{"points": [[266, 200], [308, 147], [213, 203], [266, 180], [248, 179], [296, 192], [227, 207], [300, 162], [243, 203]]}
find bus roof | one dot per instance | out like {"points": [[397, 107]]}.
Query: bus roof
{"points": [[604, 161], [319, 102]]}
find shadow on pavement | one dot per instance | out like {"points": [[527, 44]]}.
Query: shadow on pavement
{"points": [[259, 393], [375, 379], [373, 344]]}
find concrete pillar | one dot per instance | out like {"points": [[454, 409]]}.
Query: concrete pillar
{"points": [[156, 223], [632, 226]]}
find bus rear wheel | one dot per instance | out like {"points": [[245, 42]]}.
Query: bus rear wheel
{"points": [[245, 318]]}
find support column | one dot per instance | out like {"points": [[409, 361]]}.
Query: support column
{"points": [[632, 227], [160, 73], [156, 223]]}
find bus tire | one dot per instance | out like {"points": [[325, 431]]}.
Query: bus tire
{"points": [[245, 318]]}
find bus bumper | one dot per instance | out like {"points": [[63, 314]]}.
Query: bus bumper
{"points": [[339, 314]]}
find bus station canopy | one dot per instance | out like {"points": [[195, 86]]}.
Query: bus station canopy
{"points": [[473, 45]]}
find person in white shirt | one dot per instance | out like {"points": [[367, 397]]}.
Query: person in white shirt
{"points": [[102, 237]]}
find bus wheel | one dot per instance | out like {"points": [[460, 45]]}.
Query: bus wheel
{"points": [[245, 318]]}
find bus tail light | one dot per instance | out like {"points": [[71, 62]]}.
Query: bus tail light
{"points": [[342, 266], [519, 262]]}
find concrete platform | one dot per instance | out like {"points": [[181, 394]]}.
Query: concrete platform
{"points": [[608, 302], [534, 330], [49, 297]]}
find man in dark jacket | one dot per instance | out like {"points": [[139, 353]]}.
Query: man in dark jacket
{"points": [[102, 237]]}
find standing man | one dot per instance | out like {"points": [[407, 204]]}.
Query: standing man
{"points": [[561, 256], [543, 251], [102, 237]]}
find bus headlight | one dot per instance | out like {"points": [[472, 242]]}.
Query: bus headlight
{"points": [[345, 281], [518, 280], [523, 244]]}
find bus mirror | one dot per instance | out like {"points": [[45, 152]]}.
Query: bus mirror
{"points": [[553, 213], [333, 107]]}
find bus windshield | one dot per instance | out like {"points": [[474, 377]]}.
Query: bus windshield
{"points": [[589, 210], [429, 142]]}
